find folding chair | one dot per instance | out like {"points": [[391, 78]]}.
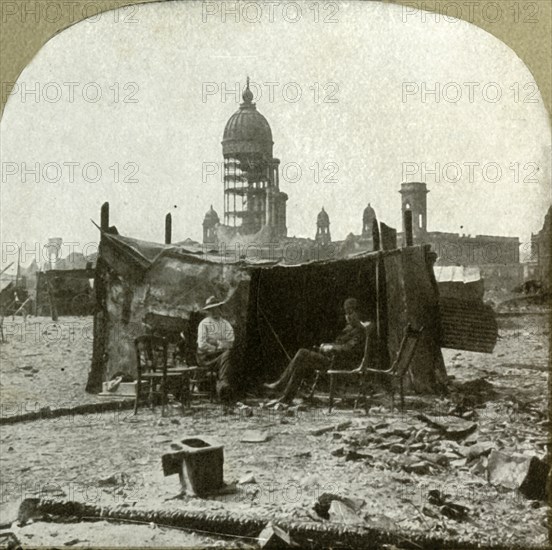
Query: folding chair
{"points": [[154, 374], [401, 365], [396, 372], [358, 373]]}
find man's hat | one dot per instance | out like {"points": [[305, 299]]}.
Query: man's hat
{"points": [[212, 302], [351, 303]]}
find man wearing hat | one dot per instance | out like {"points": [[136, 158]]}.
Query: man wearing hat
{"points": [[215, 338], [345, 353]]}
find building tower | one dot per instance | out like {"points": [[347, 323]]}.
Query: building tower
{"points": [[368, 218], [210, 222], [53, 249], [252, 197], [414, 200], [323, 228]]}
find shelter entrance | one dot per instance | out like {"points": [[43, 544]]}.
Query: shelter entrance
{"points": [[301, 307]]}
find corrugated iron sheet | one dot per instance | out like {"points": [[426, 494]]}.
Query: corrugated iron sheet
{"points": [[467, 325]]}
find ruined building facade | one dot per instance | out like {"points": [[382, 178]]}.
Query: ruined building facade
{"points": [[252, 197], [496, 256], [541, 243]]}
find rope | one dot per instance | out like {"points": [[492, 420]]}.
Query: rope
{"points": [[259, 310]]}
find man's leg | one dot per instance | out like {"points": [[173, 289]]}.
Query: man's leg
{"points": [[225, 391], [305, 361], [289, 371]]}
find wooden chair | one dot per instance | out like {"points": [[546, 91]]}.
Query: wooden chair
{"points": [[204, 382], [358, 373], [154, 374], [396, 372]]}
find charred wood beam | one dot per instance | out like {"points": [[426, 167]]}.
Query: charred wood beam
{"points": [[307, 534], [168, 228], [104, 217]]}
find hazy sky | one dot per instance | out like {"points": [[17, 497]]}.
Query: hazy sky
{"points": [[371, 61]]}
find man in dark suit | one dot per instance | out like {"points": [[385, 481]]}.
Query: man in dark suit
{"points": [[345, 353]]}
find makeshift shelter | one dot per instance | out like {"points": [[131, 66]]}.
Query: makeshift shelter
{"points": [[275, 308], [64, 292]]}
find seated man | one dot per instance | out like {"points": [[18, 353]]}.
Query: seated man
{"points": [[345, 353], [215, 338]]}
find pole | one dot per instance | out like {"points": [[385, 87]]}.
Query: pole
{"points": [[104, 217], [168, 228]]}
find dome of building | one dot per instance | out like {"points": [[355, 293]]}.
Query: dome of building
{"points": [[247, 131], [369, 214], [323, 218], [211, 218]]}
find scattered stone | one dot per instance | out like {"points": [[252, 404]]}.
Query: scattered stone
{"points": [[108, 481], [249, 478], [397, 448], [341, 512], [72, 542], [524, 473], [430, 512], [273, 537], [354, 455], [420, 468], [477, 450], [454, 511], [324, 502], [302, 454], [479, 467], [254, 436], [450, 426], [340, 451], [329, 428]]}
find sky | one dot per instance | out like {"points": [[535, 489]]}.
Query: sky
{"points": [[140, 97]]}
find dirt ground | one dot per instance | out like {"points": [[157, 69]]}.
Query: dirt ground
{"points": [[392, 461]]}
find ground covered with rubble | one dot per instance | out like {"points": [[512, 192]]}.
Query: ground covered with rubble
{"points": [[422, 472]]}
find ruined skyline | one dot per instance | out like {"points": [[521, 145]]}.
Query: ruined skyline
{"points": [[156, 131]]}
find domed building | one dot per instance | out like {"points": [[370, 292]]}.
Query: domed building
{"points": [[323, 235], [252, 196], [368, 217], [210, 222]]}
